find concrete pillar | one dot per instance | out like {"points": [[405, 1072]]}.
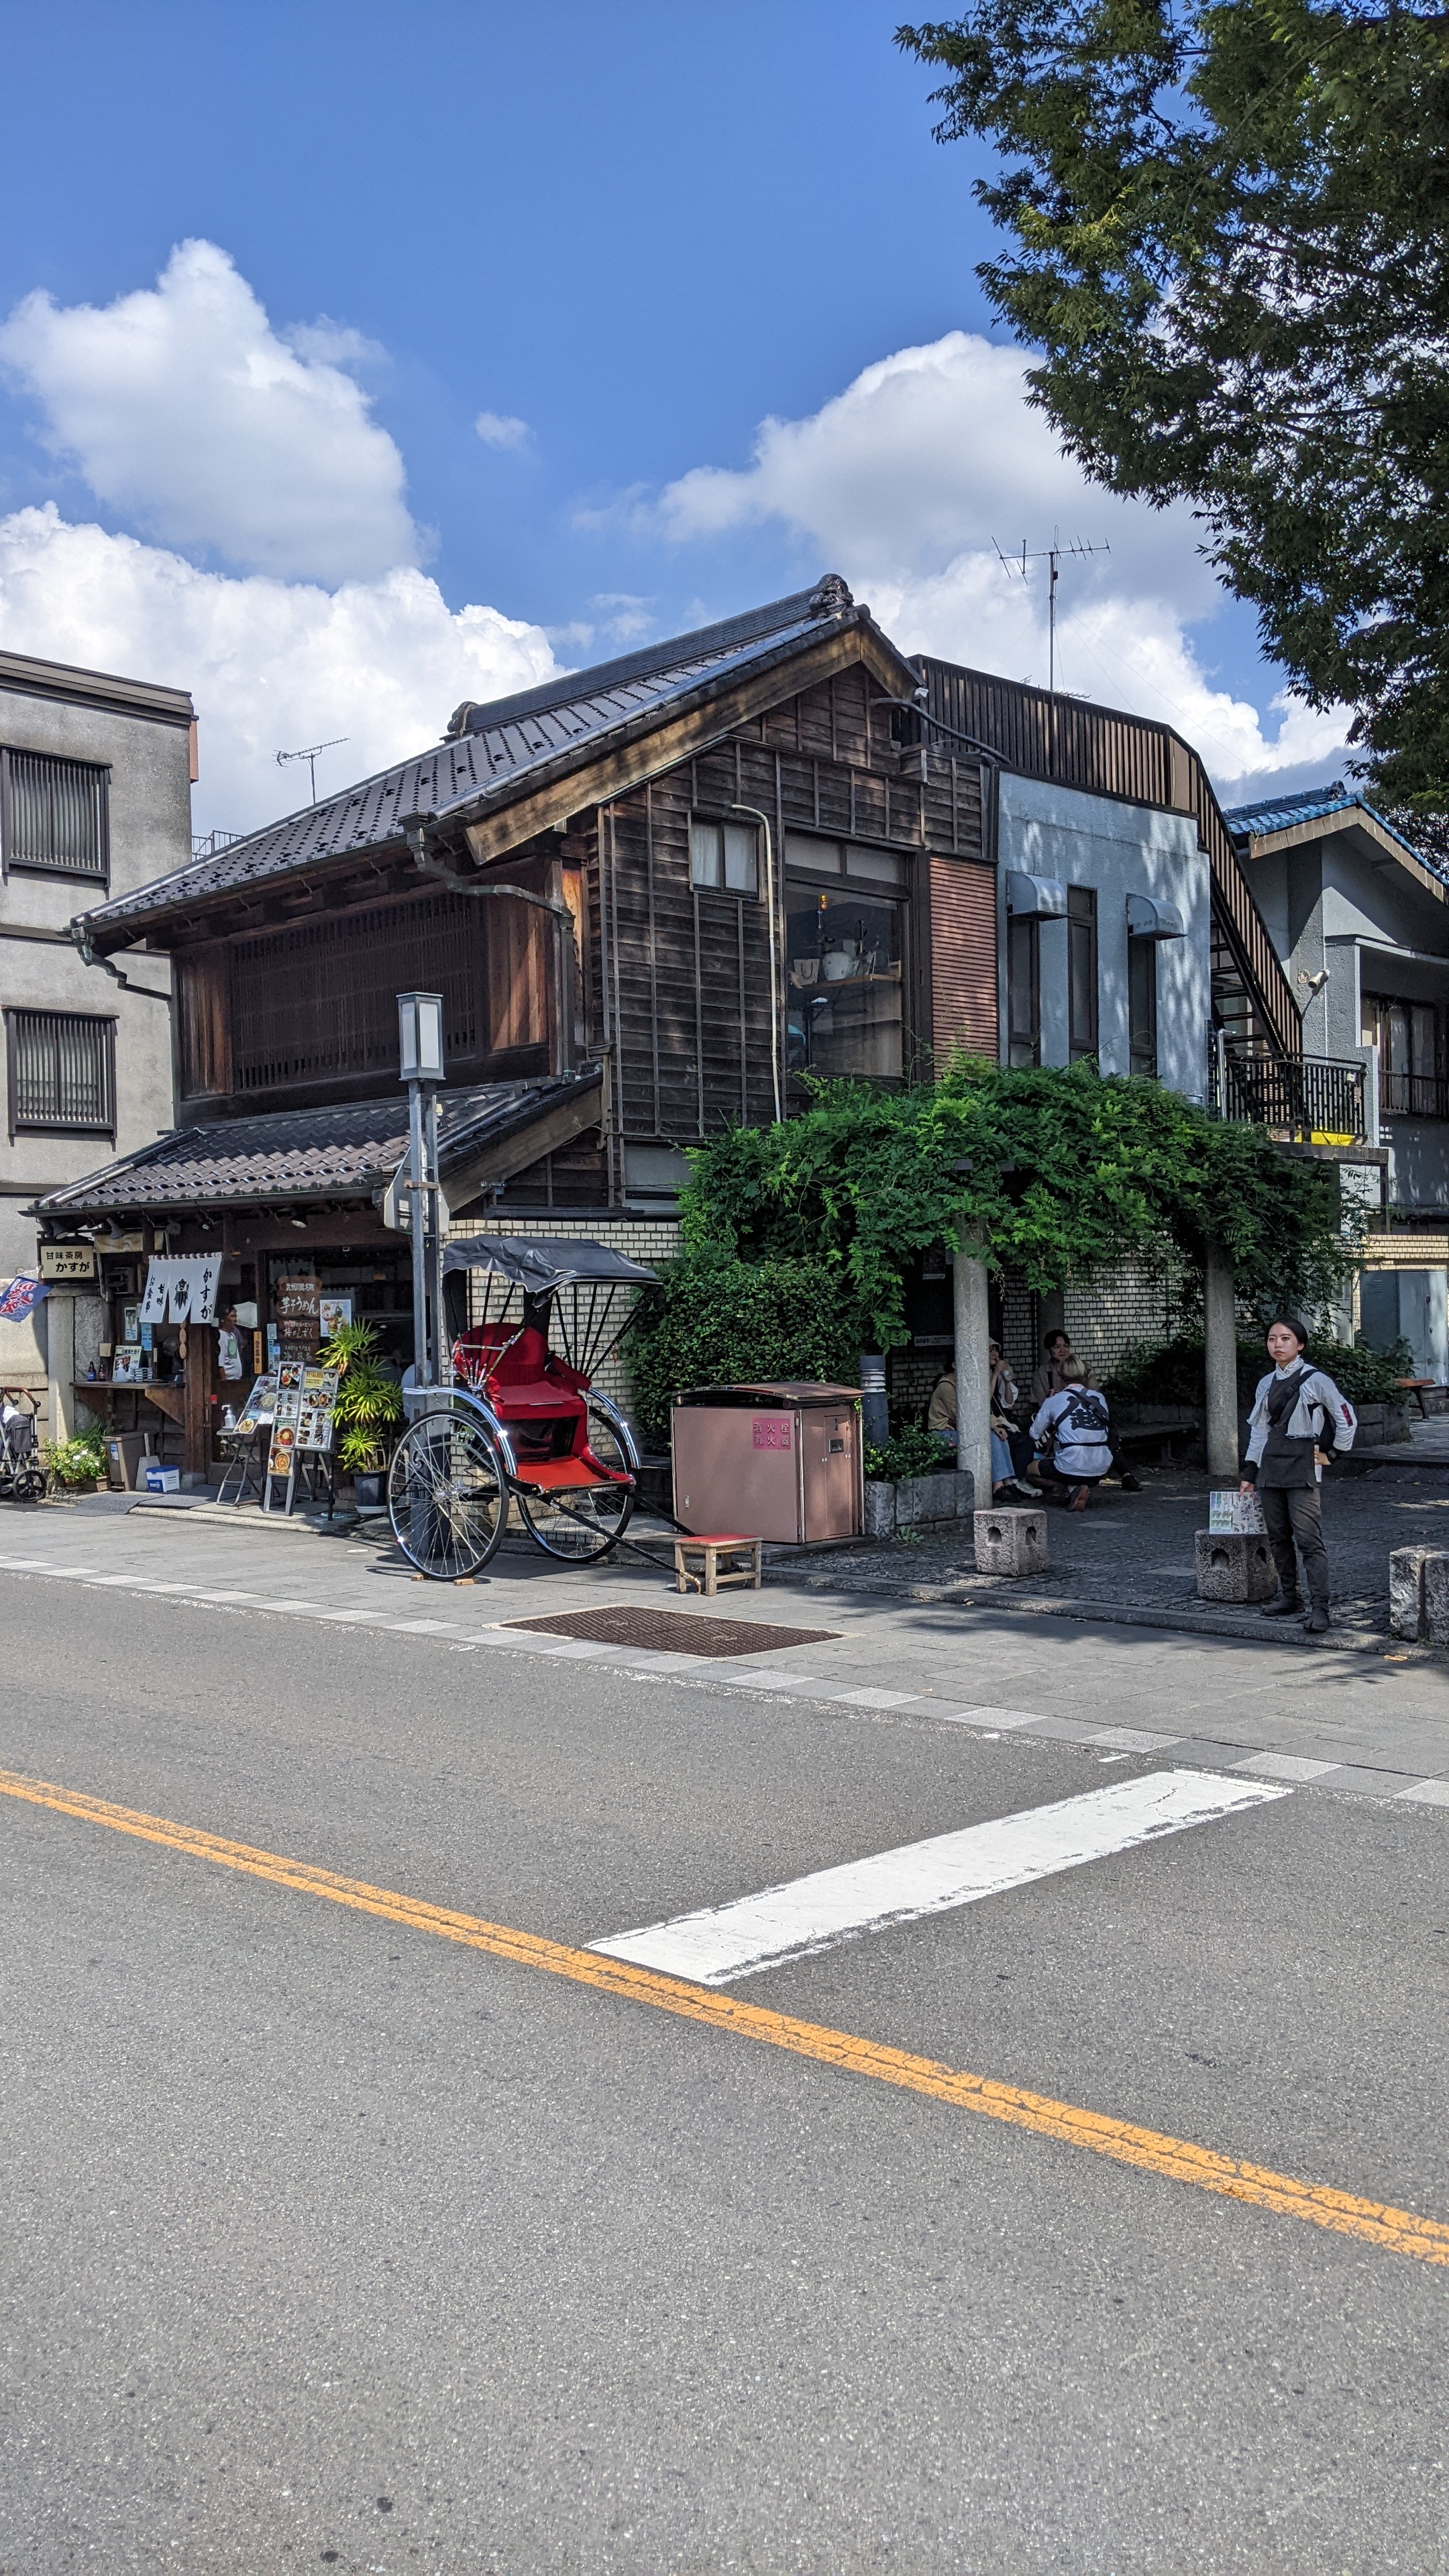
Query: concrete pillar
{"points": [[972, 1318], [1221, 1337], [60, 1365]]}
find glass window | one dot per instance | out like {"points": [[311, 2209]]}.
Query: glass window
{"points": [[845, 981], [62, 1067], [725, 856], [1023, 991], [54, 814], [1081, 972], [846, 858], [1407, 1036], [1142, 1004]]}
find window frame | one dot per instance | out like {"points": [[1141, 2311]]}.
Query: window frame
{"points": [[1023, 949], [1082, 1042], [102, 1021], [700, 819], [1142, 957], [40, 869]]}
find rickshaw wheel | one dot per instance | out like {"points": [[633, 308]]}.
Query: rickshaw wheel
{"points": [[446, 1497], [596, 1515]]}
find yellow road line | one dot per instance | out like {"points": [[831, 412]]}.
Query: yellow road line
{"points": [[1399, 2231]]}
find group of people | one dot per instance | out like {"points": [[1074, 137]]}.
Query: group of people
{"points": [[1068, 1448], [1299, 1424]]}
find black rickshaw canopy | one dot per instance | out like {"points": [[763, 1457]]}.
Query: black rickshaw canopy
{"points": [[581, 1291], [540, 1268]]}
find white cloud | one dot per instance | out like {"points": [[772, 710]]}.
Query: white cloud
{"points": [[910, 480], [182, 407], [502, 429], [271, 664]]}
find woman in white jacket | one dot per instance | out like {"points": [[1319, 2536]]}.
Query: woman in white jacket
{"points": [[1298, 1424]]}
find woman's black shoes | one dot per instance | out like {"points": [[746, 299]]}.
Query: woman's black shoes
{"points": [[1316, 1623], [1284, 1605]]}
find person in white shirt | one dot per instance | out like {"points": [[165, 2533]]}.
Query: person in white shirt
{"points": [[1072, 1437]]}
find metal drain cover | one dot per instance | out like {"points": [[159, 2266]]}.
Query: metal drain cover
{"points": [[675, 1632]]}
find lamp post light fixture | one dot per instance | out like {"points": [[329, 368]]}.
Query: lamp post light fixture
{"points": [[420, 1066]]}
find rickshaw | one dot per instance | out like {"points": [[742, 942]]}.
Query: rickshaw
{"points": [[519, 1421]]}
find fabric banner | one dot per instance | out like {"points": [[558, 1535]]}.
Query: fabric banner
{"points": [[21, 1298], [184, 1290]]}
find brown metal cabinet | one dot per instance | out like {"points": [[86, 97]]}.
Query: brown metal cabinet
{"points": [[778, 1461]]}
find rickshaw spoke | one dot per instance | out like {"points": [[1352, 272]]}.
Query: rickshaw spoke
{"points": [[446, 1496]]}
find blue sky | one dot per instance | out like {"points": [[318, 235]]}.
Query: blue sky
{"points": [[624, 235]]}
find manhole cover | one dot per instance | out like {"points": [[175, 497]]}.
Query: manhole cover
{"points": [[675, 1632]]}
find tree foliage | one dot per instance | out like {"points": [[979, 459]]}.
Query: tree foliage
{"points": [[1058, 1173], [724, 1320], [1226, 231]]}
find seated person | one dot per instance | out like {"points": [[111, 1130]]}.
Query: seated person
{"points": [[1060, 1367], [941, 1419], [1073, 1439]]}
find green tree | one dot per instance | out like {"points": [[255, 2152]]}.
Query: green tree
{"points": [[1226, 233]]}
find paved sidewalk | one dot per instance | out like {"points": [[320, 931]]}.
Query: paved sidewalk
{"points": [[1368, 1723]]}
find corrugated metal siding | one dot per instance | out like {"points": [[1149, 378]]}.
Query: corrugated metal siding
{"points": [[963, 957]]}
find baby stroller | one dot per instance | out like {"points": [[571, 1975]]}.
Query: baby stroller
{"points": [[22, 1477]]}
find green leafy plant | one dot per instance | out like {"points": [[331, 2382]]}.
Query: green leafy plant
{"points": [[721, 1321], [910, 1451], [369, 1402], [1058, 1172], [79, 1461]]}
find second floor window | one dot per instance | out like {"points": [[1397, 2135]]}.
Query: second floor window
{"points": [[1081, 972], [53, 817], [1411, 1083], [1023, 991], [61, 1069], [724, 856], [1142, 1004]]}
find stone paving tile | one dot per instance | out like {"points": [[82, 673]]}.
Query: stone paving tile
{"points": [[1368, 1784], [1428, 1793]]}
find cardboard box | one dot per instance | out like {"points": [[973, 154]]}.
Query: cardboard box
{"points": [[163, 1480]]}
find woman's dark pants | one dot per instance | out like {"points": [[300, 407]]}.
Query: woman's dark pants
{"points": [[1296, 1512]]}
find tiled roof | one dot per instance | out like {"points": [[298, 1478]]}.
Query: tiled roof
{"points": [[339, 1150], [493, 752], [1281, 813]]}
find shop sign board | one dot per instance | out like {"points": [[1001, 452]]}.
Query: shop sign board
{"points": [[67, 1261], [297, 1302]]}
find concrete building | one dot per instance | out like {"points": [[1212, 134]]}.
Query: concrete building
{"points": [[95, 799], [1360, 919]]}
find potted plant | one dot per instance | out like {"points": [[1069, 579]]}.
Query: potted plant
{"points": [[368, 1410], [78, 1465]]}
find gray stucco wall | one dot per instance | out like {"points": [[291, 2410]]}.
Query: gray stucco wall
{"points": [[150, 833], [1116, 849]]}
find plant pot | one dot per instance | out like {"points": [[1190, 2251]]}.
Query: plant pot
{"points": [[370, 1492]]}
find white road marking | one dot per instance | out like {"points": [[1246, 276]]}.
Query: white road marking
{"points": [[933, 1877]]}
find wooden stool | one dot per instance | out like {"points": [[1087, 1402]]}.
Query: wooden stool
{"points": [[705, 1555]]}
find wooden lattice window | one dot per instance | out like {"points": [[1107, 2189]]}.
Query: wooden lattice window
{"points": [[61, 1068]]}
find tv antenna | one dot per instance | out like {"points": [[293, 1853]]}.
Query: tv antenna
{"points": [[310, 755], [1051, 556]]}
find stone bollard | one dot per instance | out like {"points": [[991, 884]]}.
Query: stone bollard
{"points": [[1234, 1566], [1011, 1541], [1436, 1597], [1406, 1591]]}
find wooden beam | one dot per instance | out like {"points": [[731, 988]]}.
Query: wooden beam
{"points": [[499, 1162], [665, 746]]}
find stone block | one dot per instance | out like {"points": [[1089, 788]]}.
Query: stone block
{"points": [[950, 1496], [1406, 1591], [1234, 1566], [1012, 1542], [880, 1511], [1436, 1597]]}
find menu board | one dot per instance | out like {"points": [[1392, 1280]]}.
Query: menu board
{"points": [[286, 1417], [258, 1407], [298, 1304], [319, 1400]]}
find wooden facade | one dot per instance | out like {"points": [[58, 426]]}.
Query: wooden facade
{"points": [[671, 982]]}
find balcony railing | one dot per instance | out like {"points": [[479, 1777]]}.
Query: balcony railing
{"points": [[1413, 1095], [1311, 1099]]}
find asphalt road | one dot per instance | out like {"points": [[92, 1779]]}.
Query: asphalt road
{"points": [[332, 2240]]}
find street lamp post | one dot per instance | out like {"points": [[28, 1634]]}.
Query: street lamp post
{"points": [[420, 1066]]}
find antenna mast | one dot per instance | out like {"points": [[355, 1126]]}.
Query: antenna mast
{"points": [[310, 757], [1051, 556]]}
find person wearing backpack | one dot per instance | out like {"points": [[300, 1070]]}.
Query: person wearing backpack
{"points": [[1072, 1437], [1298, 1425]]}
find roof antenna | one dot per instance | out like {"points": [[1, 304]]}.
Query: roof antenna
{"points": [[1051, 556], [310, 757]]}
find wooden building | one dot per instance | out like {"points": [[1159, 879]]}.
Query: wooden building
{"points": [[654, 896]]}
